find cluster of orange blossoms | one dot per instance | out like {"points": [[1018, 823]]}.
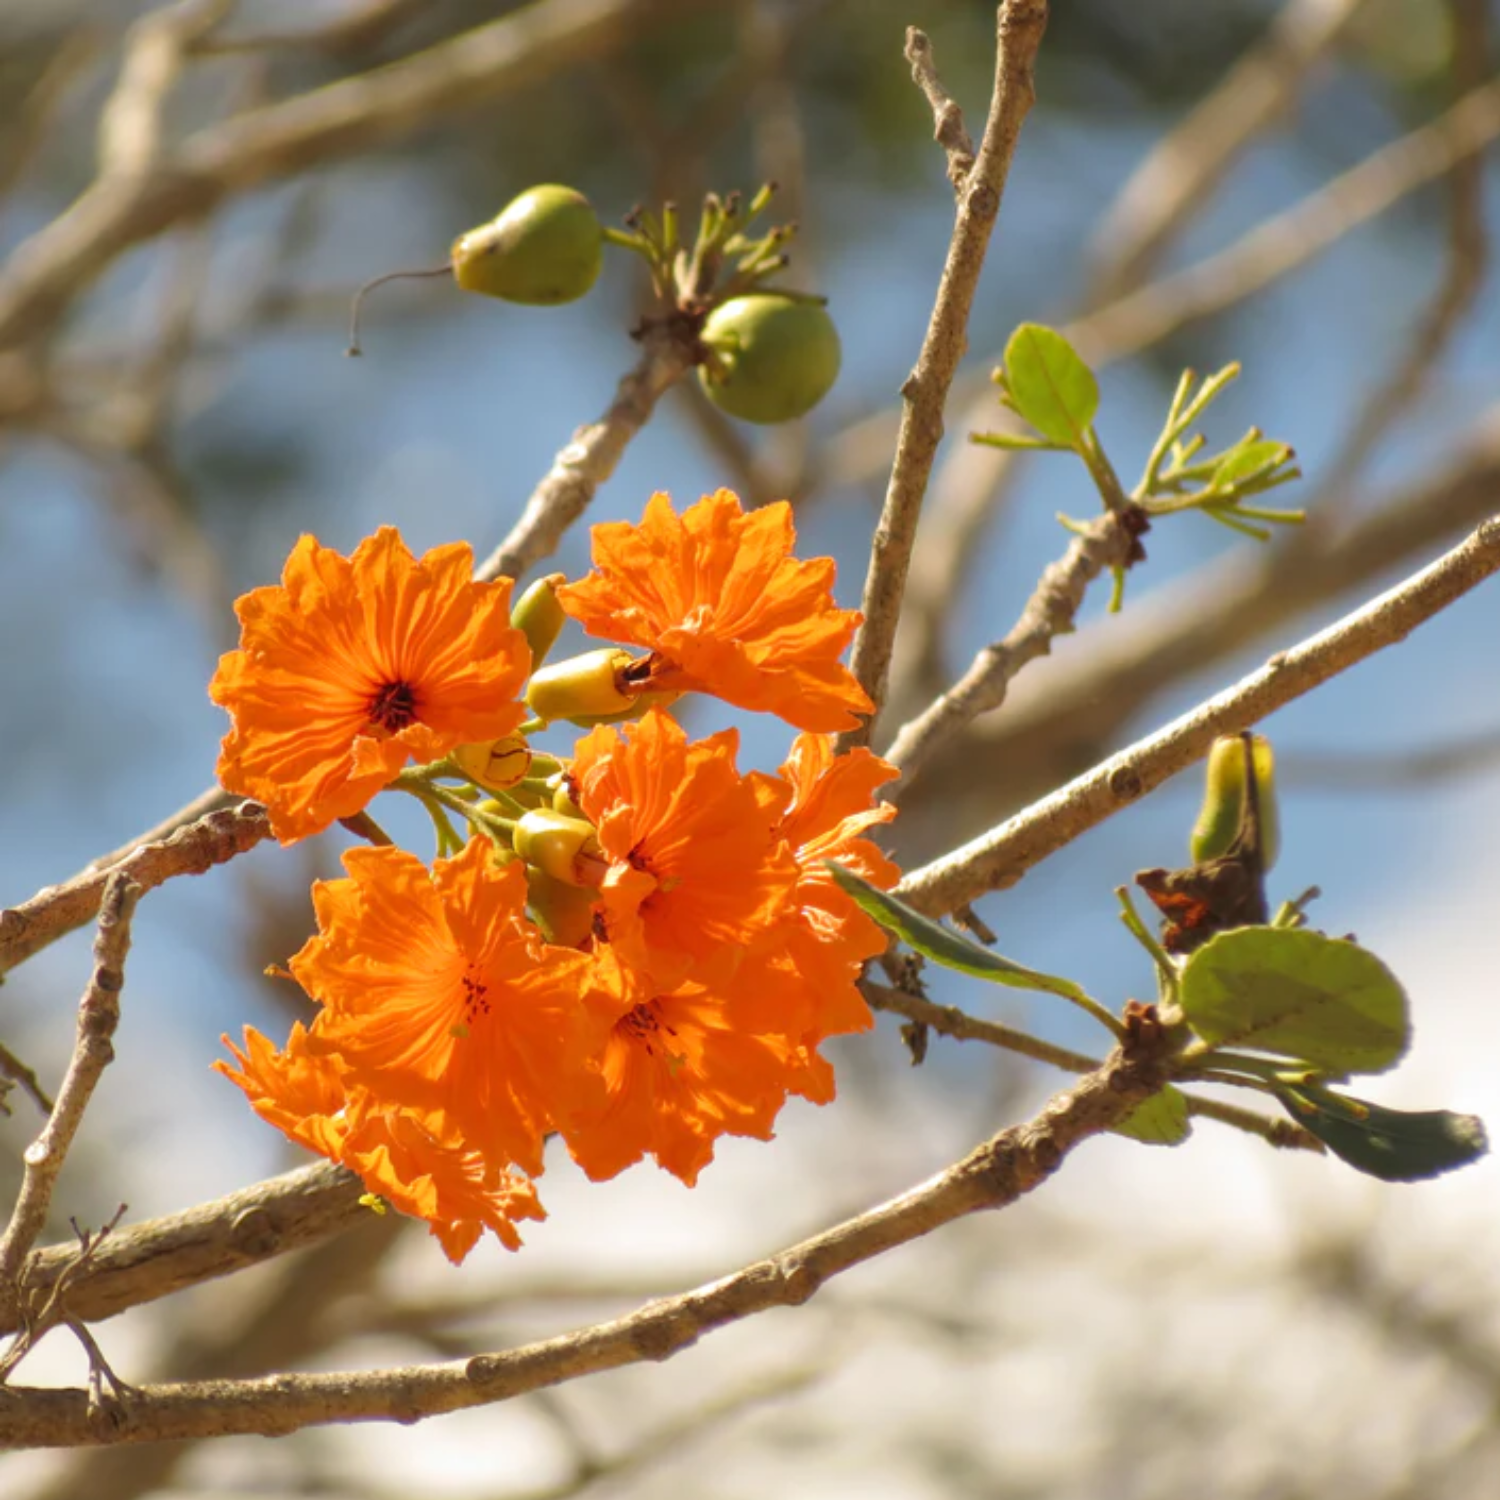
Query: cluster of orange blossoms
{"points": [[640, 948]]}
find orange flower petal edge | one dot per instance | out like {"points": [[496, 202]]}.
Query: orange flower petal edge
{"points": [[352, 666], [803, 980], [439, 994], [396, 1153], [716, 595], [694, 865], [678, 1074]]}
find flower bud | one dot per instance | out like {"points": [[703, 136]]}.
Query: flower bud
{"points": [[773, 357], [496, 764], [587, 686], [640, 705], [545, 247], [564, 912], [1224, 799], [539, 617], [562, 796], [565, 848]]}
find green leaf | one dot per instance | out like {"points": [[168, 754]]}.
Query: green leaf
{"points": [[1049, 385], [941, 944], [1297, 994], [1392, 1144], [1161, 1121], [1249, 461]]}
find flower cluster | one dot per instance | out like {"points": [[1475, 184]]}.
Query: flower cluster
{"points": [[639, 947]]}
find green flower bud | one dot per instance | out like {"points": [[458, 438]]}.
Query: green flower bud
{"points": [[773, 357], [564, 912], [496, 764], [582, 687], [567, 849], [545, 247], [562, 796], [1224, 799], [539, 617]]}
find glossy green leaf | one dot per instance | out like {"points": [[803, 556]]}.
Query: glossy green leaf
{"points": [[1049, 385], [1297, 994], [1161, 1121], [1392, 1144], [941, 944]]}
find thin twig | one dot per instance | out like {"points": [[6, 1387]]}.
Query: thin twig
{"points": [[579, 469], [1276, 247], [1050, 611], [16, 1070], [948, 128], [98, 1016], [994, 1175], [951, 1021], [1000, 857], [60, 909], [1019, 26], [58, 263], [1069, 714]]}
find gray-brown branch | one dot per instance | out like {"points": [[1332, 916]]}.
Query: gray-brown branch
{"points": [[994, 1175]]}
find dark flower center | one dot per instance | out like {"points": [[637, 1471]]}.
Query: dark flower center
{"points": [[393, 707]]}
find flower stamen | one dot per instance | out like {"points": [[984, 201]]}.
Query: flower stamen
{"points": [[393, 707]]}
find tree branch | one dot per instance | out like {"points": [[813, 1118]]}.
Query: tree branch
{"points": [[1062, 719], [951, 1021], [98, 1016], [143, 1262], [1050, 611], [59, 909], [1000, 857], [994, 1175], [52, 268], [1020, 24], [948, 128], [564, 492]]}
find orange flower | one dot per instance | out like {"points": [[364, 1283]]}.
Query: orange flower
{"points": [[717, 598], [694, 869], [352, 666], [440, 995], [803, 978], [679, 1073], [393, 1151]]}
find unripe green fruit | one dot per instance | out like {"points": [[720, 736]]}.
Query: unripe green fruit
{"points": [[776, 357], [543, 248]]}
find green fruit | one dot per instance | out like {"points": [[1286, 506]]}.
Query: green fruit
{"points": [[774, 359], [543, 248]]}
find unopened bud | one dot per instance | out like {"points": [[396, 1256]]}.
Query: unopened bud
{"points": [[496, 764], [567, 849], [564, 912], [539, 617], [1223, 810], [583, 687], [562, 796]]}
